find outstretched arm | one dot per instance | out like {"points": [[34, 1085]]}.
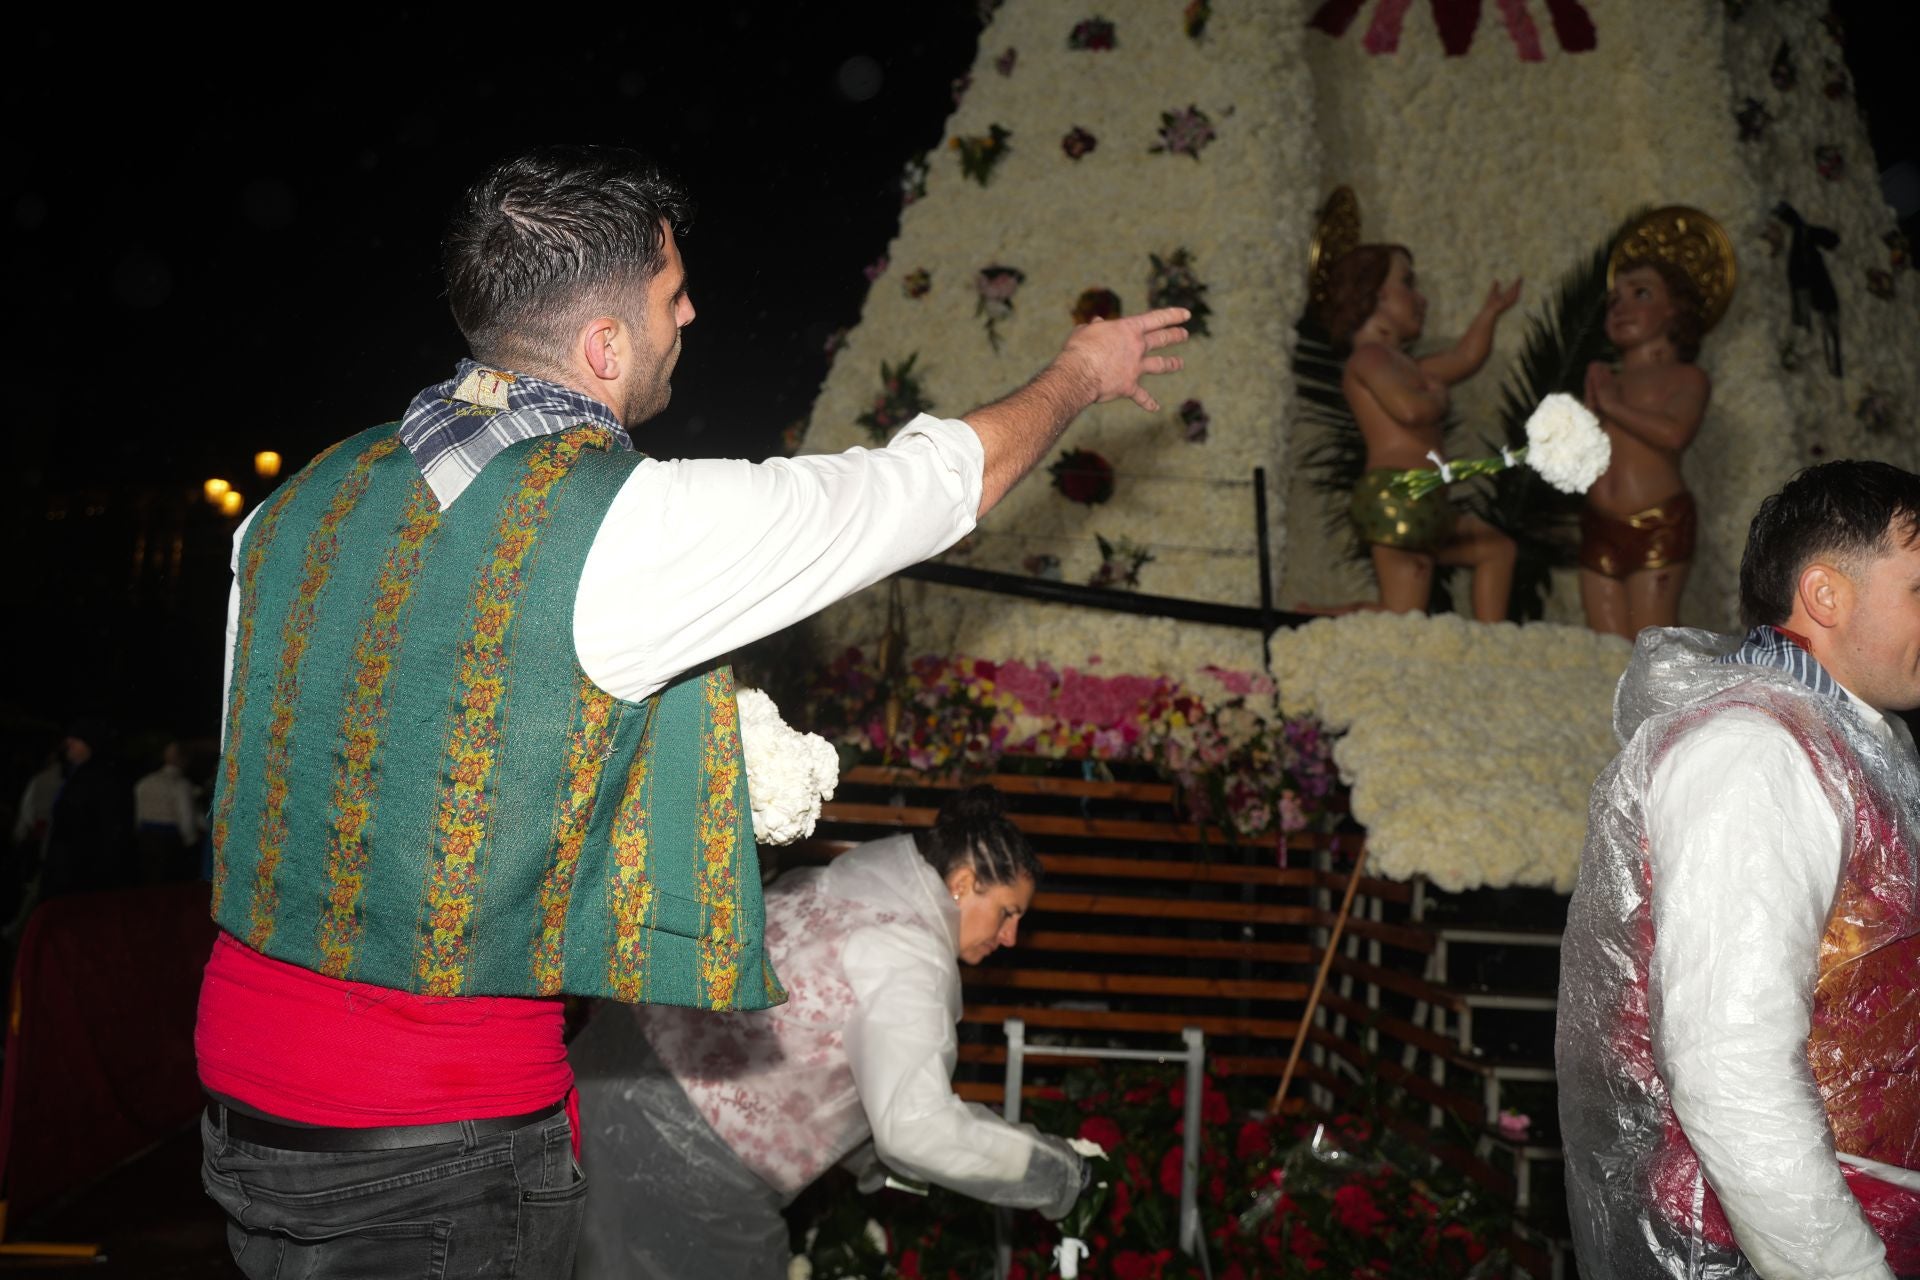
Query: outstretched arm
{"points": [[901, 1047], [1670, 425], [1746, 851], [1103, 360], [1464, 358]]}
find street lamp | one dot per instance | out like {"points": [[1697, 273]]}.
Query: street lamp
{"points": [[231, 502], [266, 464], [216, 489]]}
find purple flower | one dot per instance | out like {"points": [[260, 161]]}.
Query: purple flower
{"points": [[1184, 132], [1194, 421], [1078, 142]]}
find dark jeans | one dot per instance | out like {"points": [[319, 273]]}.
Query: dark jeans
{"points": [[496, 1205]]}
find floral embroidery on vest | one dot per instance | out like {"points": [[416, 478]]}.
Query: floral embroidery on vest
{"points": [[479, 701], [260, 538], [323, 549], [718, 832], [588, 747], [629, 892], [361, 727]]}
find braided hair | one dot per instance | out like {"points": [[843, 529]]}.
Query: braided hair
{"points": [[974, 831]]}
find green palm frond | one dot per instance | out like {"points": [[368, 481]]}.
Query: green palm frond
{"points": [[1562, 339]]}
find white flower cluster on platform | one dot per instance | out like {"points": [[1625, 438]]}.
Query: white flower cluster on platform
{"points": [[789, 773], [1566, 445], [1470, 748]]}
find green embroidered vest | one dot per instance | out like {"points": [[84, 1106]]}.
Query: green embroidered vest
{"points": [[422, 790]]}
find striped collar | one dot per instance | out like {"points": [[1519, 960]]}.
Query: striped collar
{"points": [[1768, 646], [455, 428]]}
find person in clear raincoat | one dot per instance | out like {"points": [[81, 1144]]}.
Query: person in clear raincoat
{"points": [[698, 1128], [1739, 1028]]}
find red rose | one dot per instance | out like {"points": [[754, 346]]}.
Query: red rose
{"points": [[1122, 1204], [1102, 1130], [1475, 1250], [910, 1264], [1170, 1171], [1131, 1264], [1254, 1141], [1306, 1246], [1081, 475], [1353, 1206]]}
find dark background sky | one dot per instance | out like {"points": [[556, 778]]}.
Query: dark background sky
{"points": [[222, 238]]}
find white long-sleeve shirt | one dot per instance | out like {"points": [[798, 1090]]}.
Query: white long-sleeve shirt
{"points": [[698, 557], [1746, 852]]}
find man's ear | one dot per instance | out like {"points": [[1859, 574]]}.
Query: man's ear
{"points": [[602, 347], [1825, 594]]}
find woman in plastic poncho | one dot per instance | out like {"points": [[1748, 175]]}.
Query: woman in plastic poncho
{"points": [[698, 1128]]}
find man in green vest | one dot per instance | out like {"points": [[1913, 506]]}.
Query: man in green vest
{"points": [[478, 753]]}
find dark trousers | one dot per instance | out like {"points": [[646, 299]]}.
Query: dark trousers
{"points": [[502, 1204]]}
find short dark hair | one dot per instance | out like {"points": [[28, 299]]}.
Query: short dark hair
{"points": [[549, 233], [1689, 323], [974, 831], [1846, 510], [1354, 282]]}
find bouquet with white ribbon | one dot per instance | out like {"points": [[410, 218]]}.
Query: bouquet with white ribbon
{"points": [[1564, 444], [1078, 1224], [789, 773]]}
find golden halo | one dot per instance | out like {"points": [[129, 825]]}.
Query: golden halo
{"points": [[1335, 234], [1690, 240]]}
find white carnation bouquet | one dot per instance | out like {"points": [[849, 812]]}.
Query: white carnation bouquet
{"points": [[1564, 444], [788, 772]]}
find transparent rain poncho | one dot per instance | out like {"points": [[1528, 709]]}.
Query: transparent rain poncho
{"points": [[1739, 1029], [712, 1121]]}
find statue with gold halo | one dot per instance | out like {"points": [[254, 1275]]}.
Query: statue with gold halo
{"points": [[1670, 278], [1370, 303]]}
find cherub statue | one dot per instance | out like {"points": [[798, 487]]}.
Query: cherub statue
{"points": [[1637, 528], [1373, 310]]}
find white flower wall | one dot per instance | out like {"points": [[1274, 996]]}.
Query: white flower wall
{"points": [[1470, 749], [1072, 225]]}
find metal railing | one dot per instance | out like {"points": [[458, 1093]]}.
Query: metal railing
{"points": [[1193, 1055]]}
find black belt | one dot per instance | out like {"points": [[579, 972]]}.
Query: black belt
{"points": [[393, 1137]]}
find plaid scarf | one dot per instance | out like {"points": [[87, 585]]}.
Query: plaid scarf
{"points": [[455, 428], [1767, 646]]}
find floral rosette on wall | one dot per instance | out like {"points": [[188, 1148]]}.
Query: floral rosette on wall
{"points": [[1080, 203]]}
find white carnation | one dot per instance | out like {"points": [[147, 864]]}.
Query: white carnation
{"points": [[1087, 1149], [788, 772], [1566, 445], [799, 1267], [876, 1236]]}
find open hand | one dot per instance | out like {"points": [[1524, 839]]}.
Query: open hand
{"points": [[1109, 357], [1501, 300]]}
